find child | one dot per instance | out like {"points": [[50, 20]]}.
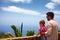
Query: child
{"points": [[42, 30]]}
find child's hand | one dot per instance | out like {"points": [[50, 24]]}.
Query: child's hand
{"points": [[43, 33], [38, 35], [35, 35]]}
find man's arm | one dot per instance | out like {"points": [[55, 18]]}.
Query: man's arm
{"points": [[49, 30]]}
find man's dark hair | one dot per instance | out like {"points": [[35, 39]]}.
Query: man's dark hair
{"points": [[51, 14]]}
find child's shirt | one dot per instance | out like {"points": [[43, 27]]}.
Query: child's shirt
{"points": [[42, 29]]}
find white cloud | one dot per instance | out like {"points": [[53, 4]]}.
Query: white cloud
{"points": [[19, 10], [56, 1], [23, 1], [50, 5]]}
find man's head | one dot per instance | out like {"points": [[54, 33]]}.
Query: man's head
{"points": [[50, 15]]}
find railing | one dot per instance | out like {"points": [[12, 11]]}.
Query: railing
{"points": [[27, 38], [23, 38]]}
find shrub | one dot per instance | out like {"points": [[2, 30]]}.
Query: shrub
{"points": [[58, 30], [30, 33]]}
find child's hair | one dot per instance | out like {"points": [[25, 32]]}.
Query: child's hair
{"points": [[42, 21]]}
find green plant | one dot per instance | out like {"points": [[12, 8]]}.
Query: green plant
{"points": [[30, 33], [3, 35], [8, 34], [21, 27], [16, 31], [58, 30]]}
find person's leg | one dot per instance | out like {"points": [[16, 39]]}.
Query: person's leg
{"points": [[45, 38], [42, 38]]}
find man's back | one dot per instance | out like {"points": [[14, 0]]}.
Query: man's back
{"points": [[53, 28]]}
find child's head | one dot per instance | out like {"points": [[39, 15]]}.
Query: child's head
{"points": [[42, 23]]}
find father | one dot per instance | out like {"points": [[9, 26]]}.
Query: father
{"points": [[52, 27]]}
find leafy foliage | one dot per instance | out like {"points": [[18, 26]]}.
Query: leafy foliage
{"points": [[58, 30], [21, 27], [16, 31], [3, 35], [30, 33]]}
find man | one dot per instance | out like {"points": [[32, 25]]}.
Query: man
{"points": [[52, 27]]}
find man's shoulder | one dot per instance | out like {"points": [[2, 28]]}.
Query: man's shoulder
{"points": [[52, 22]]}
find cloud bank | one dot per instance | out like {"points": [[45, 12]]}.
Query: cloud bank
{"points": [[20, 10], [23, 1]]}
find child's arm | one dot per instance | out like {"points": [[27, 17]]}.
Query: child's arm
{"points": [[38, 33]]}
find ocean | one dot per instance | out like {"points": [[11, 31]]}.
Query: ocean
{"points": [[7, 28]]}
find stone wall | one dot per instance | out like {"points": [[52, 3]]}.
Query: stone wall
{"points": [[23, 38], [27, 38]]}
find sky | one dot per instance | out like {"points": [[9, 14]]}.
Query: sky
{"points": [[30, 12]]}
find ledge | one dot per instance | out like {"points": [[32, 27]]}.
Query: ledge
{"points": [[28, 38], [23, 38]]}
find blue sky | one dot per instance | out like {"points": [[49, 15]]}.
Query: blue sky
{"points": [[30, 12]]}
